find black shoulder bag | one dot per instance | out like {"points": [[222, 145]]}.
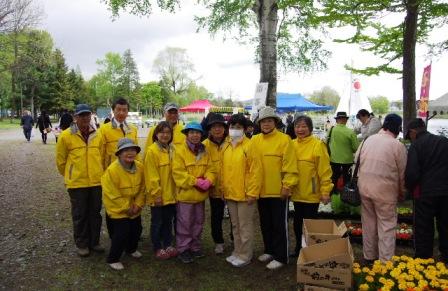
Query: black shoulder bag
{"points": [[350, 194]]}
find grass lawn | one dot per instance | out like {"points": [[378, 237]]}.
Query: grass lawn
{"points": [[7, 123]]}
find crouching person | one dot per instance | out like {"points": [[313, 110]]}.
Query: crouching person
{"points": [[193, 174], [123, 197]]}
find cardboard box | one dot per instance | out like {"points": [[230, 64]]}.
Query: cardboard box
{"points": [[321, 230], [327, 264]]}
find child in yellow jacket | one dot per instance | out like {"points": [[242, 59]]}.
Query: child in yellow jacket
{"points": [[160, 189], [194, 174], [123, 198]]}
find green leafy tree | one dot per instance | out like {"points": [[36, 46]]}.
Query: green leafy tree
{"points": [[33, 64], [280, 30], [174, 68], [77, 91], [107, 82], [380, 104], [393, 42], [151, 95], [325, 96], [130, 79]]}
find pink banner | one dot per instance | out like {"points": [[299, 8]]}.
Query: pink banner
{"points": [[424, 92]]}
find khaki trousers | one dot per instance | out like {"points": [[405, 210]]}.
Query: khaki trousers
{"points": [[379, 222], [242, 218]]}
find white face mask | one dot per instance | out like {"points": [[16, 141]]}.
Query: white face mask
{"points": [[236, 133]]}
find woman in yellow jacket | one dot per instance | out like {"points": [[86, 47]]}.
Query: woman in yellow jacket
{"points": [[160, 189], [214, 145], [315, 172], [279, 177], [123, 198], [194, 174], [241, 175]]}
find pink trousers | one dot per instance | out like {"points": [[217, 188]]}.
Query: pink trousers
{"points": [[189, 225], [379, 222]]}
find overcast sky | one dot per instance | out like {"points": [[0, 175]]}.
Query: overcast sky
{"points": [[85, 32]]}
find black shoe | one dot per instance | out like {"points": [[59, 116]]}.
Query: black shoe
{"points": [[185, 257], [197, 254], [367, 263]]}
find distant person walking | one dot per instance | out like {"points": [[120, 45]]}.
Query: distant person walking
{"points": [[427, 177], [79, 159], [44, 124], [342, 143], [66, 120], [27, 123]]}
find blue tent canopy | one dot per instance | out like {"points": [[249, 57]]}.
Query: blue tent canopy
{"points": [[287, 102]]}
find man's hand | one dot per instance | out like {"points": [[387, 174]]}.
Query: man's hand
{"points": [[251, 200], [286, 192], [325, 199], [158, 201]]}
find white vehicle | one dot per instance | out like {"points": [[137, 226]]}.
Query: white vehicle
{"points": [[135, 118], [151, 122]]}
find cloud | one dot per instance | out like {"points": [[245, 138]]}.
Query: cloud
{"points": [[85, 32]]}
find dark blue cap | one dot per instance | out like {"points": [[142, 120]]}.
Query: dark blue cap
{"points": [[82, 108]]}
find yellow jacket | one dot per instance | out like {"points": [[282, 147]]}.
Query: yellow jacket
{"points": [[241, 171], [158, 175], [178, 136], [111, 133], [186, 169], [314, 168], [79, 162], [122, 189], [215, 152], [279, 162]]}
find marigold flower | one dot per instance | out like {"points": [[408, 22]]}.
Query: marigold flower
{"points": [[369, 279], [364, 287]]}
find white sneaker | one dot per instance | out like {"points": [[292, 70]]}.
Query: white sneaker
{"points": [[274, 265], [264, 258], [231, 258], [117, 266], [219, 249], [136, 255], [240, 263]]}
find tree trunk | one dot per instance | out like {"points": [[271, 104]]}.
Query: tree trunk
{"points": [[409, 43], [266, 11], [14, 78]]}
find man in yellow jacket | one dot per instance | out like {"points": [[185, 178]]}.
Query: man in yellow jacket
{"points": [[118, 128], [279, 177], [313, 164], [79, 159], [214, 144], [171, 111], [194, 174]]}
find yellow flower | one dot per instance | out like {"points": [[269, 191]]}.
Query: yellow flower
{"points": [[410, 284], [422, 283], [356, 265], [395, 258], [365, 270], [372, 273], [364, 287], [382, 280], [357, 270], [402, 286], [369, 279]]}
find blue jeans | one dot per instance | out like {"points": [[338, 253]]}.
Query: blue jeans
{"points": [[162, 218]]}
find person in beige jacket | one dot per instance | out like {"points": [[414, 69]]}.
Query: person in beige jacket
{"points": [[381, 185]]}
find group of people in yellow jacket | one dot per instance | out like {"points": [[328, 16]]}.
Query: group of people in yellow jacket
{"points": [[179, 172]]}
